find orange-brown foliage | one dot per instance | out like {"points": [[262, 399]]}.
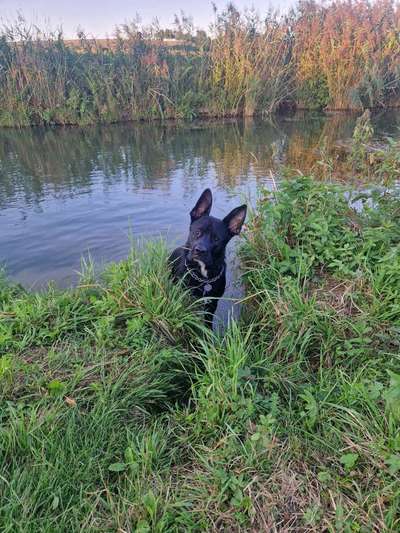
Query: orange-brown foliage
{"points": [[342, 55], [353, 46]]}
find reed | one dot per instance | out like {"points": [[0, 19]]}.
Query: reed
{"points": [[251, 63], [344, 55], [347, 54]]}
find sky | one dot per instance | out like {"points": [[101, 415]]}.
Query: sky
{"points": [[98, 18]]}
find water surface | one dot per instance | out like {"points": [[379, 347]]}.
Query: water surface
{"points": [[65, 192]]}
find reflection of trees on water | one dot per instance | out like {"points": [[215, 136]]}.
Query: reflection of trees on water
{"points": [[61, 162], [305, 143]]}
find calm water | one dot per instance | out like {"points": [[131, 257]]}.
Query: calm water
{"points": [[68, 191]]}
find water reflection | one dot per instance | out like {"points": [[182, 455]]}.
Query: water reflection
{"points": [[65, 191]]}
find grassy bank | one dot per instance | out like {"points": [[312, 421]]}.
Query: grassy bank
{"points": [[344, 55], [118, 412]]}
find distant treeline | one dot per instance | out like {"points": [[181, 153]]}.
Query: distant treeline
{"points": [[345, 55]]}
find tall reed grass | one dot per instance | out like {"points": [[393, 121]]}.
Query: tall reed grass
{"points": [[345, 55]]}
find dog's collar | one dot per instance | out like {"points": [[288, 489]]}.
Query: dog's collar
{"points": [[204, 281]]}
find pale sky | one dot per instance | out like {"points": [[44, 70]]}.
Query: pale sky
{"points": [[99, 17]]}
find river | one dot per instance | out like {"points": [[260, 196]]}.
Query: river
{"points": [[69, 192]]}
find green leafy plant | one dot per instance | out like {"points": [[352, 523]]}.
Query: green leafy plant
{"points": [[362, 136], [349, 460], [116, 402]]}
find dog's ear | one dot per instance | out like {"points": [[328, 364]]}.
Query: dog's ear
{"points": [[203, 206], [235, 219]]}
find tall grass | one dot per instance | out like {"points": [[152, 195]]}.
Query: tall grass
{"points": [[46, 80], [251, 63], [347, 54], [343, 55], [322, 279], [118, 411]]}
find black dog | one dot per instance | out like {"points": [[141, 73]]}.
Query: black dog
{"points": [[201, 261]]}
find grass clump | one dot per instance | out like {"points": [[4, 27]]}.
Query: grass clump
{"points": [[119, 411], [322, 268], [82, 373]]}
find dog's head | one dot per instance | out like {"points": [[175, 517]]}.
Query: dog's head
{"points": [[208, 236]]}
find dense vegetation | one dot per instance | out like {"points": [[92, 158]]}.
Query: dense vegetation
{"points": [[342, 55], [119, 412]]}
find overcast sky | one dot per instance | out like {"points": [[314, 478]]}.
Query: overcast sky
{"points": [[99, 17]]}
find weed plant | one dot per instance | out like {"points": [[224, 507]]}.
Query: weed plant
{"points": [[118, 411]]}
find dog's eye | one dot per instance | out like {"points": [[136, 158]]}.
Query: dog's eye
{"points": [[215, 238], [197, 233]]}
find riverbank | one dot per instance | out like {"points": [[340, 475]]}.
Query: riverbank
{"points": [[342, 56], [119, 412]]}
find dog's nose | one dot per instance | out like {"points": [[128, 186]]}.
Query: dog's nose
{"points": [[198, 249]]}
